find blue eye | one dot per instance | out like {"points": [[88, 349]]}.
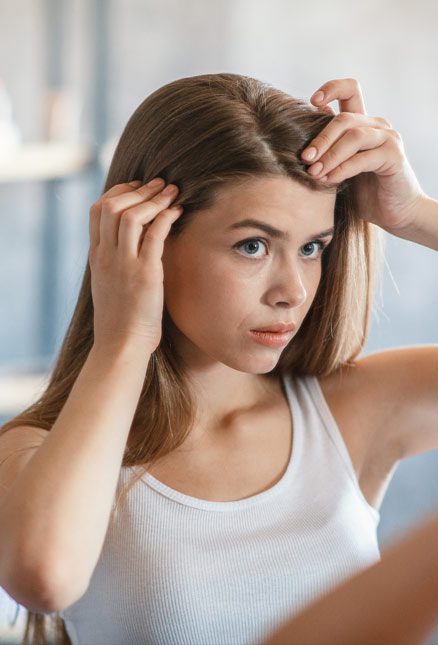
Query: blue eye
{"points": [[254, 241], [251, 242], [320, 244]]}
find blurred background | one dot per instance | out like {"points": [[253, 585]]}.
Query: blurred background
{"points": [[71, 74]]}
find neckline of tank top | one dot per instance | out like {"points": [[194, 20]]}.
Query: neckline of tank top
{"points": [[246, 502]]}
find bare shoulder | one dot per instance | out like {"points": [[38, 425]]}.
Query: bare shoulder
{"points": [[386, 406], [348, 393], [395, 390], [360, 408]]}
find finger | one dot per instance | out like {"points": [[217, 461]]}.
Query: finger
{"points": [[346, 90], [328, 110], [367, 161], [96, 210], [114, 208], [152, 245], [121, 188], [137, 219], [346, 146], [336, 128]]}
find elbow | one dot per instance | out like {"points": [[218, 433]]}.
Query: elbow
{"points": [[58, 589], [44, 590]]}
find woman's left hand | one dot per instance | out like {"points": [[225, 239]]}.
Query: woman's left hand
{"points": [[354, 143]]}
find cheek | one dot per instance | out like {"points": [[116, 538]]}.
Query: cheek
{"points": [[312, 286], [195, 292]]}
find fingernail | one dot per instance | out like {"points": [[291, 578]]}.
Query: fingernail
{"points": [[155, 182], [318, 97], [316, 168], [169, 190], [309, 153]]}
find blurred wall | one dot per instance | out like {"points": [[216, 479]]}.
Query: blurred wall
{"points": [[391, 48]]}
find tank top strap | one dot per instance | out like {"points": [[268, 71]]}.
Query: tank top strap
{"points": [[327, 421], [291, 388], [317, 398]]}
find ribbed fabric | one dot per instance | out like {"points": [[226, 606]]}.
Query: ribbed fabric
{"points": [[178, 570]]}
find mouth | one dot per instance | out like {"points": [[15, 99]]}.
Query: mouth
{"points": [[282, 328], [271, 339]]}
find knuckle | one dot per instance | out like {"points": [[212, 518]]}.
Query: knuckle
{"points": [[383, 121], [151, 234], [398, 148], [322, 141], [395, 134], [130, 216], [337, 172], [327, 160], [400, 154], [353, 81], [106, 198], [343, 117], [95, 208], [110, 206], [356, 134], [328, 85]]}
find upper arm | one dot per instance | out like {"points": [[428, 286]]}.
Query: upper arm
{"points": [[400, 387], [17, 447]]}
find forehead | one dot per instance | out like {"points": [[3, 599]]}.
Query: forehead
{"points": [[279, 200]]}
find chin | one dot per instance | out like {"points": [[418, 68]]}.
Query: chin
{"points": [[256, 364]]}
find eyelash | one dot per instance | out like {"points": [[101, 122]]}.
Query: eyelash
{"points": [[322, 245]]}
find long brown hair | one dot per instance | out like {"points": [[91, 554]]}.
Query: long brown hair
{"points": [[201, 132]]}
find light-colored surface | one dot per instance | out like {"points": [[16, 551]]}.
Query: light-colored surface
{"points": [[45, 160], [18, 391], [106, 153], [8, 609]]}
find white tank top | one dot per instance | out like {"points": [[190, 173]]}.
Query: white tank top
{"points": [[178, 570]]}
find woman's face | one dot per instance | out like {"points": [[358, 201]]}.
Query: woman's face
{"points": [[222, 280]]}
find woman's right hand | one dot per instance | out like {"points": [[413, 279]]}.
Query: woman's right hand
{"points": [[128, 226]]}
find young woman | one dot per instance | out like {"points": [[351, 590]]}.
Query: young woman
{"points": [[188, 476]]}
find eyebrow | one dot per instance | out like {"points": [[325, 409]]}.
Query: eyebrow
{"points": [[273, 232]]}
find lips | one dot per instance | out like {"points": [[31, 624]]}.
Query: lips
{"points": [[280, 328]]}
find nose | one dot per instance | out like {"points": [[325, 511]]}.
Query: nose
{"points": [[288, 286]]}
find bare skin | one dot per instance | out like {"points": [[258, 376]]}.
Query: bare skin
{"points": [[383, 414], [255, 453], [215, 293]]}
